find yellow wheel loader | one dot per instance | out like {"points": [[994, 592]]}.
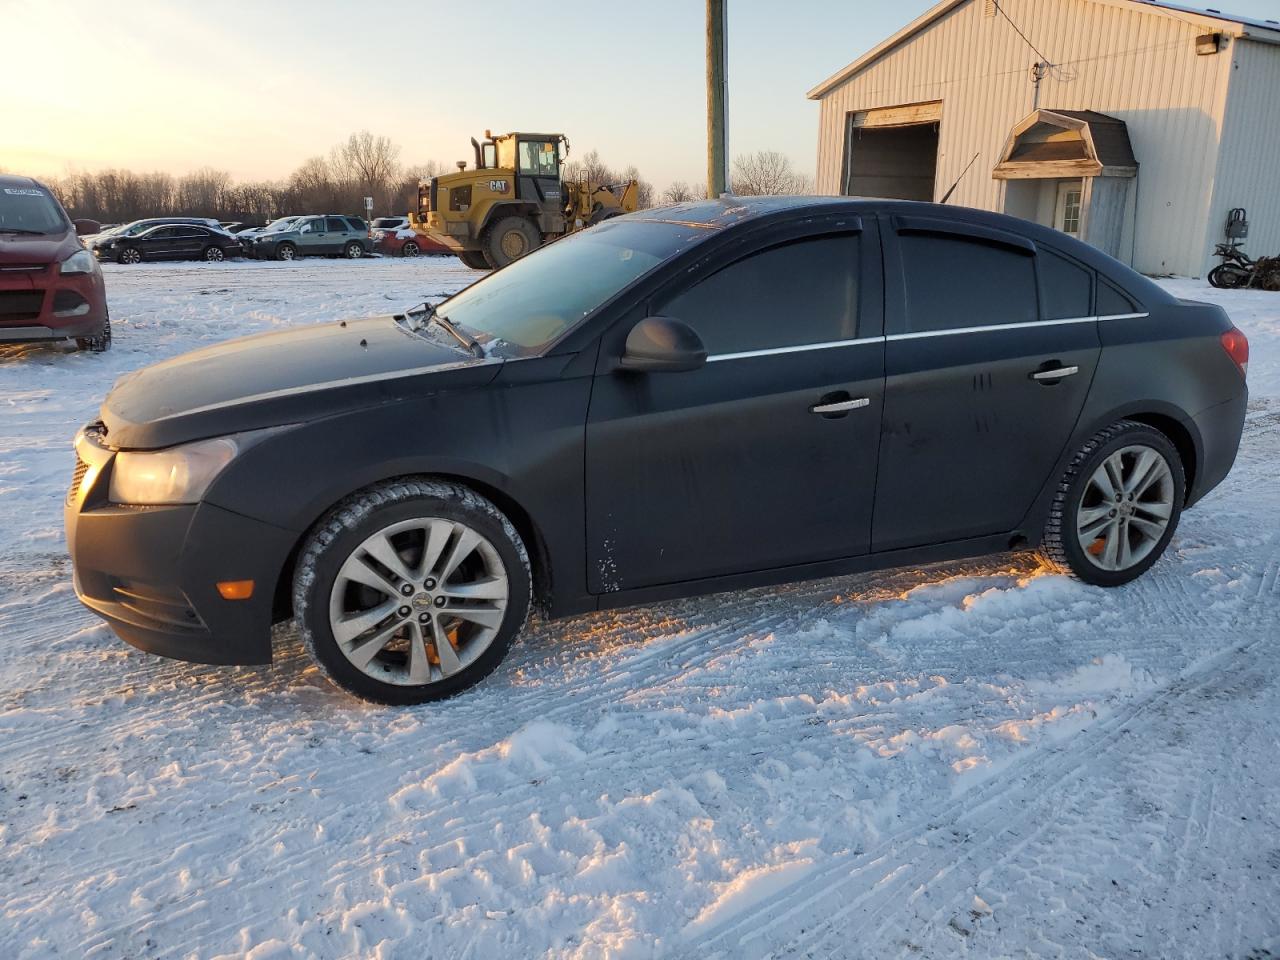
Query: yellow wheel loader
{"points": [[514, 200]]}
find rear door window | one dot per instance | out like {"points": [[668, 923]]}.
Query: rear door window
{"points": [[356, 224], [1113, 303], [1066, 288], [337, 225], [955, 282], [799, 293]]}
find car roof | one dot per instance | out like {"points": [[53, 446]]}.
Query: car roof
{"points": [[13, 180]]}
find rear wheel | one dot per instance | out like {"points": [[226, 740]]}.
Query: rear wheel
{"points": [[474, 259], [353, 251], [1226, 276], [510, 239], [214, 254], [1117, 505], [129, 255], [286, 251], [410, 249], [99, 342], [411, 591]]}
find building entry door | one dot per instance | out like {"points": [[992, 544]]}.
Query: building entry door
{"points": [[1066, 216]]}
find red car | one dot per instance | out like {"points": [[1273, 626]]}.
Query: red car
{"points": [[50, 286], [393, 237]]}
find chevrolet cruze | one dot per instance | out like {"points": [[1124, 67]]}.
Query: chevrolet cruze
{"points": [[690, 399]]}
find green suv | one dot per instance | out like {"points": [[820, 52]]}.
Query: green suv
{"points": [[328, 236]]}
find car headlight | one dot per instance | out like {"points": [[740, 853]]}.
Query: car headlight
{"points": [[79, 262], [175, 475]]}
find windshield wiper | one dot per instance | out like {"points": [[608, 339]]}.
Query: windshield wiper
{"points": [[428, 314], [34, 233]]}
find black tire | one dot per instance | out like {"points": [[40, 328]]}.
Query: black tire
{"points": [[99, 342], [1227, 276], [510, 239], [1062, 547], [410, 249], [353, 251], [474, 259], [214, 254], [339, 534], [129, 255], [286, 251]]}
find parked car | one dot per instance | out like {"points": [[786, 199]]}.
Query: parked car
{"points": [[136, 227], [50, 285], [170, 241], [330, 235], [246, 236], [236, 226], [697, 398], [392, 236]]}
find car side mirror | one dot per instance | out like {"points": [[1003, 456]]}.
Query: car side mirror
{"points": [[85, 228], [662, 344]]}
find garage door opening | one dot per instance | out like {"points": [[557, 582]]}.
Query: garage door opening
{"points": [[892, 152]]}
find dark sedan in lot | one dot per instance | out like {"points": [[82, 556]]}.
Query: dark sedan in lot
{"points": [[693, 398], [174, 241]]}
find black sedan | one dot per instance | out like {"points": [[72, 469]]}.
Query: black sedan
{"points": [[689, 399], [172, 241]]}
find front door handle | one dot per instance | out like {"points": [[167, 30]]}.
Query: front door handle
{"points": [[1055, 373], [840, 406]]}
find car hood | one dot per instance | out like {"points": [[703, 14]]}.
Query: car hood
{"points": [[278, 378], [22, 248]]}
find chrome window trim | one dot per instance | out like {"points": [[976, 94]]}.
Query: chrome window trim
{"points": [[915, 335], [800, 348]]}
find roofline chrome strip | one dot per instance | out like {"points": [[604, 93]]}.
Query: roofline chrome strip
{"points": [[796, 349]]}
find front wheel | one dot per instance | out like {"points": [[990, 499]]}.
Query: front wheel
{"points": [[410, 249], [353, 251], [100, 342], [286, 251], [129, 255], [411, 591], [1117, 506], [510, 239], [214, 254]]}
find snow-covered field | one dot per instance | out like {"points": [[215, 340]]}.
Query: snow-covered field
{"points": [[974, 758]]}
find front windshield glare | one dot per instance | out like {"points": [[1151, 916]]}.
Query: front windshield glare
{"points": [[519, 310], [30, 209]]}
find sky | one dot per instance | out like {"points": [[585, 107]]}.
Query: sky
{"points": [[256, 87]]}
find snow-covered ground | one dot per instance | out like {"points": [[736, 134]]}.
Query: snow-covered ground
{"points": [[978, 758]]}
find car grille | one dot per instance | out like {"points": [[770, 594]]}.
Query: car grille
{"points": [[77, 478], [19, 305]]}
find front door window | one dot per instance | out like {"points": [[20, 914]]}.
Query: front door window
{"points": [[1070, 195]]}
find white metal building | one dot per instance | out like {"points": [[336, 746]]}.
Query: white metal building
{"points": [[1133, 124]]}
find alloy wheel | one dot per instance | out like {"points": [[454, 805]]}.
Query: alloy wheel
{"points": [[214, 255], [1125, 508], [131, 255], [418, 601], [410, 249]]}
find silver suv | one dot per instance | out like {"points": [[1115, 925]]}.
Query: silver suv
{"points": [[331, 235]]}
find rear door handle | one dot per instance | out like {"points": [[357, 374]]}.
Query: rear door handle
{"points": [[841, 406], [1055, 373]]}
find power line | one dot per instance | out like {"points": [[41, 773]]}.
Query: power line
{"points": [[1018, 31]]}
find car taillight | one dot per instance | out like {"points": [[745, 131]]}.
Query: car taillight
{"points": [[1237, 346]]}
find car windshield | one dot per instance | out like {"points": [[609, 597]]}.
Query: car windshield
{"points": [[387, 223], [518, 310], [281, 224], [30, 210]]}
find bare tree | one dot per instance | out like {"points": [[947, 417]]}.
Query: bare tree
{"points": [[680, 192], [768, 172]]}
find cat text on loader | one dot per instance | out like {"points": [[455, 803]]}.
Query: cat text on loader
{"points": [[514, 200]]}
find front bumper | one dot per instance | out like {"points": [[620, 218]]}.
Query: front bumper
{"points": [[40, 304], [151, 572]]}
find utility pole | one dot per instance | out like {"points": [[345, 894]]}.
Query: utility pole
{"points": [[717, 101]]}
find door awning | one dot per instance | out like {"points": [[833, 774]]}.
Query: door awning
{"points": [[1052, 144]]}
